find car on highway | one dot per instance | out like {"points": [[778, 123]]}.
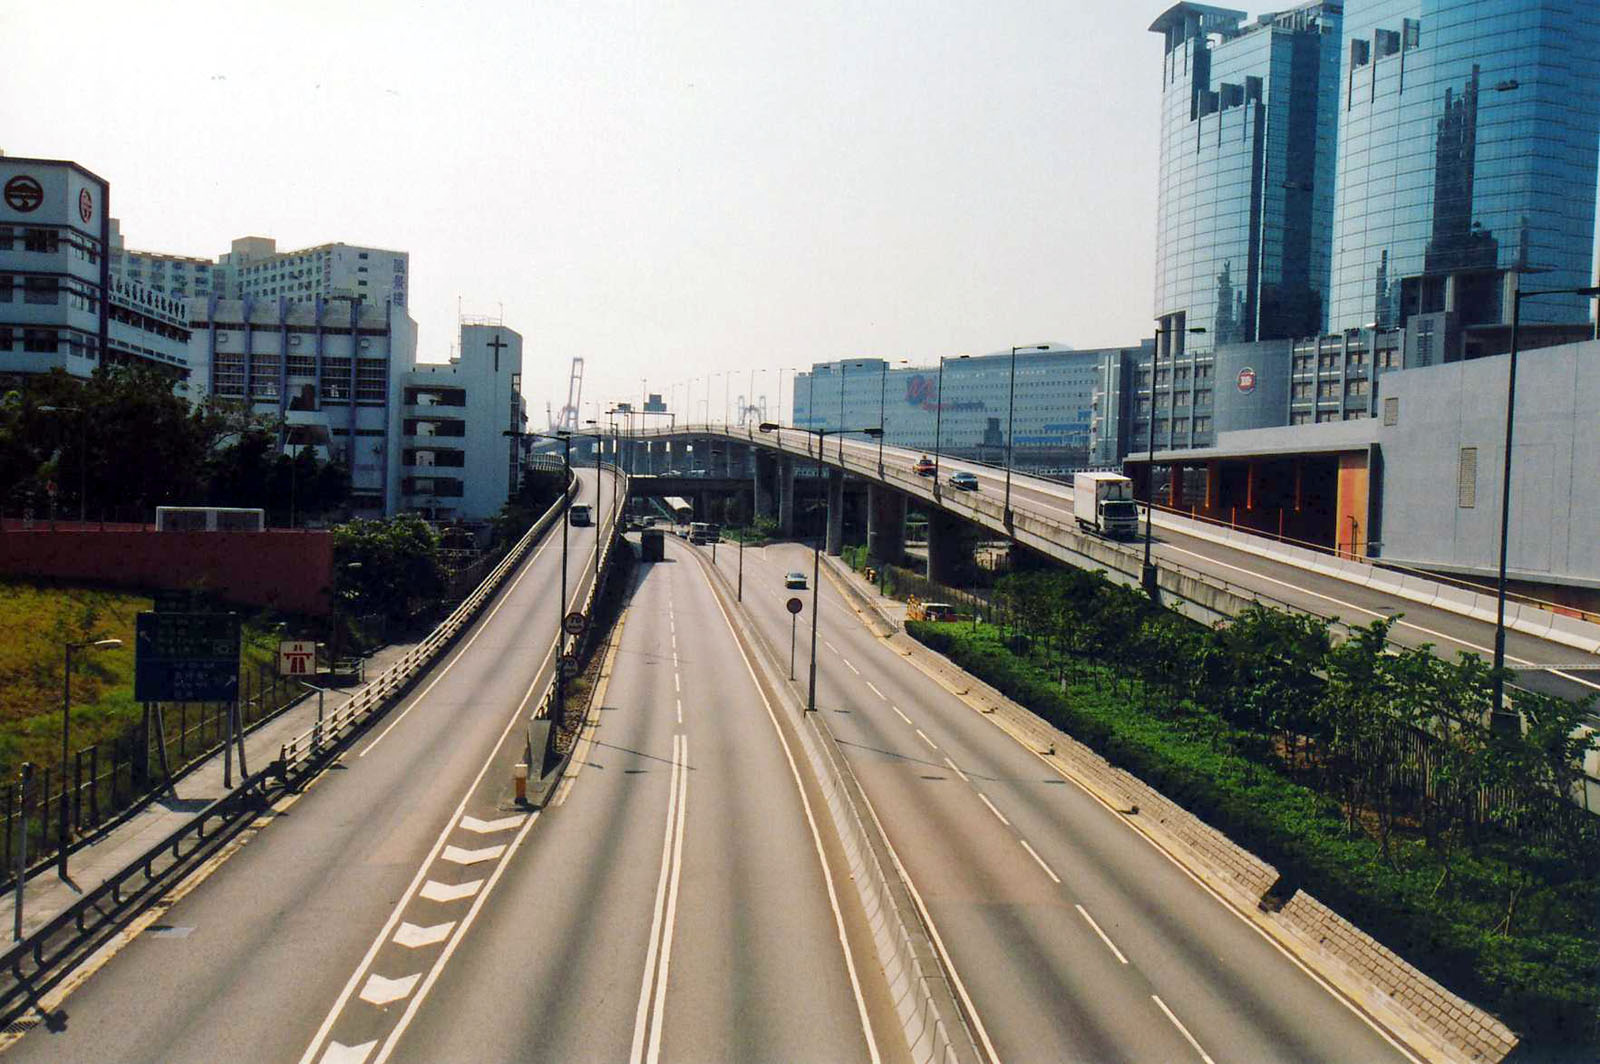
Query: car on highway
{"points": [[964, 480], [580, 514], [796, 580], [924, 467]]}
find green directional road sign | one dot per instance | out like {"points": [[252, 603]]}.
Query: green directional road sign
{"points": [[186, 657]]}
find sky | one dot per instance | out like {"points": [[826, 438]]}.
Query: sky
{"points": [[667, 190]]}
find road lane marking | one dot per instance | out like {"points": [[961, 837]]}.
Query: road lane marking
{"points": [[816, 841], [1182, 1029], [489, 827], [1110, 945], [877, 692], [433, 890], [467, 646], [1035, 855], [677, 685], [832, 649], [666, 894], [993, 810], [849, 666], [902, 715], [413, 937], [672, 902], [460, 856], [680, 710], [927, 740], [339, 1053], [381, 991], [956, 770]]}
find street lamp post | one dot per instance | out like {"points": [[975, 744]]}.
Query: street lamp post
{"points": [[66, 727], [561, 607], [1011, 408], [816, 552], [1147, 575], [938, 419], [1498, 715]]}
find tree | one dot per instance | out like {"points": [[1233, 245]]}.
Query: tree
{"points": [[386, 566]]}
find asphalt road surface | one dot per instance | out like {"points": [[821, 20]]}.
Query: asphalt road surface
{"points": [[1071, 936]]}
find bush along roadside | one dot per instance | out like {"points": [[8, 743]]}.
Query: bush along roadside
{"points": [[1364, 775]]}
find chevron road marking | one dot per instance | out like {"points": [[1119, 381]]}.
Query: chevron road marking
{"points": [[339, 1053], [433, 890], [414, 937], [381, 991], [489, 827], [457, 855]]}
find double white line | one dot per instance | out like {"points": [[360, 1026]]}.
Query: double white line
{"points": [[652, 1006]]}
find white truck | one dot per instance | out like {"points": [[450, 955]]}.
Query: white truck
{"points": [[1103, 502]]}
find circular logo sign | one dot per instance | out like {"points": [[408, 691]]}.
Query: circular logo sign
{"points": [[23, 193], [85, 205], [1247, 380], [795, 605], [569, 666]]}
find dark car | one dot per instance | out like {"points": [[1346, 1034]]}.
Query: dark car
{"points": [[964, 480]]}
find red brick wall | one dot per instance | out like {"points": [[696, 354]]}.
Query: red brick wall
{"points": [[286, 570]]}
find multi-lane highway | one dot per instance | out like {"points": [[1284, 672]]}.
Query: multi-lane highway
{"points": [[1070, 936], [679, 898]]}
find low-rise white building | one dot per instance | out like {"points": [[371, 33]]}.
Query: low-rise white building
{"points": [[255, 268]]}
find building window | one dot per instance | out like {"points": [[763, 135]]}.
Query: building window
{"points": [[1355, 387], [1391, 410], [41, 240], [41, 290], [1300, 390], [1467, 478], [1300, 417], [39, 341], [7, 281], [1328, 390], [1202, 426]]}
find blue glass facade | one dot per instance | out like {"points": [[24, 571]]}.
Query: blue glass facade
{"points": [[1248, 124], [1467, 155]]}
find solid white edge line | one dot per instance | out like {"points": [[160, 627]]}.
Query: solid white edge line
{"points": [[1182, 1029], [1040, 860], [659, 1012], [993, 810], [816, 840], [1112, 946], [642, 1014], [458, 654]]}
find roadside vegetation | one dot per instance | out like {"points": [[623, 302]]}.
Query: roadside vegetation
{"points": [[1363, 772]]}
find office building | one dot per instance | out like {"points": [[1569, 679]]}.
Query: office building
{"points": [[968, 411], [329, 372], [457, 463], [60, 307], [178, 276], [1245, 185], [1467, 157]]}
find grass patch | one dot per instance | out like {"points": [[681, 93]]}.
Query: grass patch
{"points": [[1540, 972]]}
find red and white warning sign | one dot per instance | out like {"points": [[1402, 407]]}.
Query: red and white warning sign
{"points": [[297, 658]]}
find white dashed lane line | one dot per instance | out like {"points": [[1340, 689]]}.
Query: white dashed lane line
{"points": [[992, 809], [1112, 946], [902, 715], [954, 768], [1040, 861], [876, 691], [927, 740], [1182, 1030]]}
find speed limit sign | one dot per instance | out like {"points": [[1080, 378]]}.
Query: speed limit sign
{"points": [[795, 605], [574, 623], [569, 666]]}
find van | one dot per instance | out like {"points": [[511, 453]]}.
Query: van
{"points": [[579, 515], [653, 546]]}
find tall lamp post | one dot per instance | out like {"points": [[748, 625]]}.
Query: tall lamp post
{"points": [[816, 552], [566, 504], [938, 419], [1499, 718], [883, 395], [1148, 573], [66, 727], [1011, 410]]}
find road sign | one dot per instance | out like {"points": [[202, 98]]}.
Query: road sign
{"points": [[297, 657], [795, 605], [569, 666], [574, 623], [186, 657]]}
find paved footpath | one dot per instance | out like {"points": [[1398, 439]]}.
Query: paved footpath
{"points": [[46, 895]]}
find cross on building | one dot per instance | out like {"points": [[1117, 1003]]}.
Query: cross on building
{"points": [[498, 345]]}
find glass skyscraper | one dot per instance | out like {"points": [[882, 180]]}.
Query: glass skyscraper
{"points": [[1248, 123], [1467, 155]]}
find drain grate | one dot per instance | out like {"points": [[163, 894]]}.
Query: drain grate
{"points": [[23, 1026]]}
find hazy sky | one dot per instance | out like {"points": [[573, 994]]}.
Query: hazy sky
{"points": [[667, 189]]}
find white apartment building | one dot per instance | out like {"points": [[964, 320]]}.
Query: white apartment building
{"points": [[178, 276], [255, 268], [456, 461], [60, 307]]}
